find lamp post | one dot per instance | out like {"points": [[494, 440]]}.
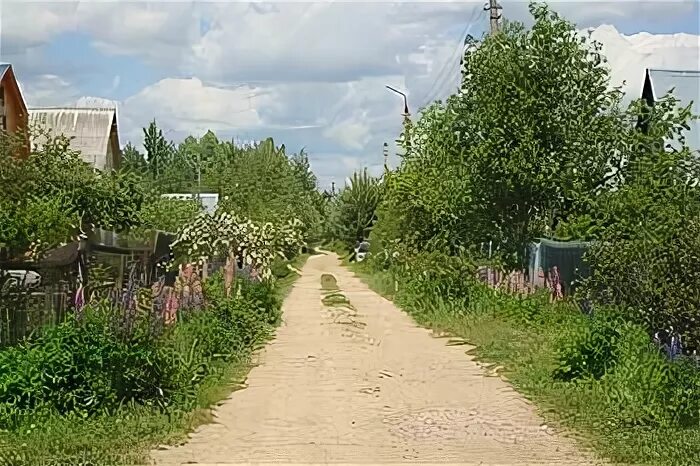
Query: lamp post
{"points": [[405, 100], [406, 116]]}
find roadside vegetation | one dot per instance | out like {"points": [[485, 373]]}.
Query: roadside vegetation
{"points": [[536, 144], [108, 384]]}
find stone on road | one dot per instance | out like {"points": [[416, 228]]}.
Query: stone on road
{"points": [[364, 384]]}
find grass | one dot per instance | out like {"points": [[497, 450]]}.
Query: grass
{"points": [[527, 352], [127, 436]]}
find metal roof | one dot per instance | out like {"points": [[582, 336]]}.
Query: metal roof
{"points": [[89, 128], [686, 88], [3, 69]]}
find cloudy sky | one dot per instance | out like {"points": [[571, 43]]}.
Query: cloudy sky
{"points": [[308, 74]]}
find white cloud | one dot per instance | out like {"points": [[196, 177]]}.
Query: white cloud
{"points": [[48, 90], [350, 134], [629, 56], [186, 106], [26, 24], [96, 102]]}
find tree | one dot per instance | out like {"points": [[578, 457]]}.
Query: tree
{"points": [[354, 212], [533, 132], [262, 183], [157, 148], [235, 237], [49, 195], [133, 160], [647, 230]]}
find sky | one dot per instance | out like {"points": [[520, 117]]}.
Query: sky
{"points": [[310, 75]]}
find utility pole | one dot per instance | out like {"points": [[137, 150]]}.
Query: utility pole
{"points": [[493, 7], [199, 176], [386, 157], [333, 188]]}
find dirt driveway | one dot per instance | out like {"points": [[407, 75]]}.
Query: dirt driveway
{"points": [[367, 386]]}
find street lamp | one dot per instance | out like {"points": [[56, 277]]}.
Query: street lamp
{"points": [[405, 100]]}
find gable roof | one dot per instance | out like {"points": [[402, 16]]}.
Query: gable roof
{"points": [[3, 68], [686, 88], [6, 68], [89, 128]]}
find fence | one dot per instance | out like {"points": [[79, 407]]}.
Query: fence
{"points": [[97, 268], [558, 266], [553, 265], [128, 276], [36, 294]]}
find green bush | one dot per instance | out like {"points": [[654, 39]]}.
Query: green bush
{"points": [[83, 367], [644, 388], [90, 366], [590, 349], [641, 386]]}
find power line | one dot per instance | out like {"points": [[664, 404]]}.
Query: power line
{"points": [[443, 77]]}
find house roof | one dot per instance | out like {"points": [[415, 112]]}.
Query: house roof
{"points": [[7, 68], [89, 128], [686, 88], [3, 69]]}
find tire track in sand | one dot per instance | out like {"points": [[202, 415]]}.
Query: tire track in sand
{"points": [[363, 384]]}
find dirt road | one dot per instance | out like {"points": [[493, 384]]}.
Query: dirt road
{"points": [[368, 386]]}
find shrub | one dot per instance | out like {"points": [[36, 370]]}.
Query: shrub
{"points": [[83, 367], [93, 365], [590, 349], [641, 386]]}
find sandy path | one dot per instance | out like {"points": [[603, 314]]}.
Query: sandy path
{"points": [[384, 392]]}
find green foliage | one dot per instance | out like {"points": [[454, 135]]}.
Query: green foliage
{"points": [[165, 214], [70, 369], [46, 196], [526, 149], [354, 211], [265, 185], [590, 351], [159, 151], [91, 366], [133, 160], [649, 230], [225, 235]]}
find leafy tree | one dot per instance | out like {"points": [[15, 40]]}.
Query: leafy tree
{"points": [[236, 237], [647, 229], [262, 183], [532, 134], [47, 196], [165, 214]]}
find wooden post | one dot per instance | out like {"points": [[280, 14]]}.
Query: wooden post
{"points": [[230, 272]]}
